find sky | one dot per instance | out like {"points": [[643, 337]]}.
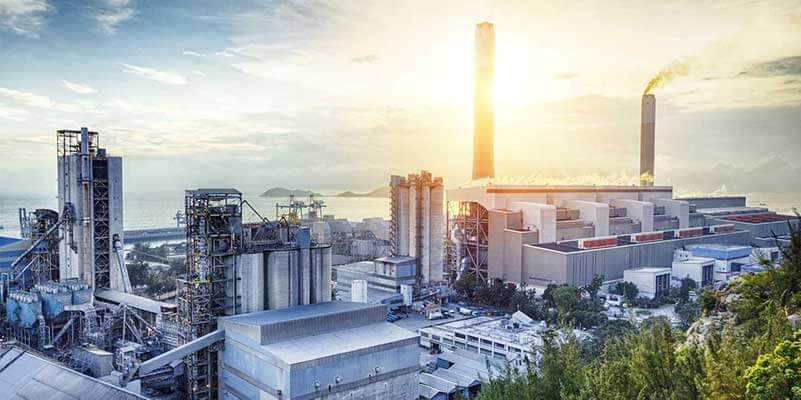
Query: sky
{"points": [[339, 95]]}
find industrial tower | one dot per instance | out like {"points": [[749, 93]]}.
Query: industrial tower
{"points": [[483, 120]]}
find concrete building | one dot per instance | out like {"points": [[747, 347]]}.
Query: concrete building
{"points": [[505, 231], [459, 371], [90, 189], [652, 282], [384, 278], [728, 259], [483, 114], [417, 225], [334, 350], [700, 269]]}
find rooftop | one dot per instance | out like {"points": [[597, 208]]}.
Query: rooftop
{"points": [[266, 327], [571, 246], [760, 218], [309, 348], [26, 376], [395, 259]]}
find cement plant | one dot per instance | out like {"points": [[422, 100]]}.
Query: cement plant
{"points": [[300, 304]]}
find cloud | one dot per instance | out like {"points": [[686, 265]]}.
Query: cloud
{"points": [[198, 73], [24, 17], [37, 101], [14, 114], [778, 67], [78, 88], [154, 74], [368, 59], [224, 54], [111, 14], [193, 53]]}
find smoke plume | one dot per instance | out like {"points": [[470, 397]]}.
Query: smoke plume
{"points": [[666, 75]]}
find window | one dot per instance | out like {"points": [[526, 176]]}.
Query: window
{"points": [[435, 337], [486, 352], [706, 275], [472, 348], [736, 267], [472, 338], [485, 342], [460, 335], [662, 285], [424, 334], [499, 346]]}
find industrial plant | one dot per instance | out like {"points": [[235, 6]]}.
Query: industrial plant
{"points": [[303, 305]]}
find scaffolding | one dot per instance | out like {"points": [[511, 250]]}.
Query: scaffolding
{"points": [[213, 240], [468, 226]]}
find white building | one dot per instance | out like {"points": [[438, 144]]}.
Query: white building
{"points": [[652, 282], [699, 269], [417, 224], [729, 259]]}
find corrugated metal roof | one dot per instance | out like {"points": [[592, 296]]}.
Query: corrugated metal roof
{"points": [[24, 376], [288, 323], [315, 347]]}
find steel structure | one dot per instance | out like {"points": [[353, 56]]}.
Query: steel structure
{"points": [[468, 227], [295, 209], [40, 261], [213, 240]]}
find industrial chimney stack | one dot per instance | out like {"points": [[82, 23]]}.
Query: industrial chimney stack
{"points": [[647, 140], [483, 122]]}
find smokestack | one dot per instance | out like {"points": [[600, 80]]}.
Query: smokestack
{"points": [[483, 121], [647, 140]]}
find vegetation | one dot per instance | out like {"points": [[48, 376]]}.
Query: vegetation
{"points": [[742, 347], [150, 269]]}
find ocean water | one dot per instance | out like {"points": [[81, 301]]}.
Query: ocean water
{"points": [[156, 211]]}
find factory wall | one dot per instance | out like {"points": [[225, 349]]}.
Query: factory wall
{"points": [[437, 241], [764, 229], [577, 268], [115, 219], [676, 208], [638, 210], [716, 202], [593, 212], [538, 216]]}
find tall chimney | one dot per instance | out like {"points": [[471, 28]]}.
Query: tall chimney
{"points": [[647, 140], [483, 121]]}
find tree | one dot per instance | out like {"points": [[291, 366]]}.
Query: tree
{"points": [[594, 285], [777, 375], [628, 290]]}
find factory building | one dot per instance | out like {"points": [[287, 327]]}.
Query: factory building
{"points": [[333, 350], [416, 226], [652, 282], [90, 190]]}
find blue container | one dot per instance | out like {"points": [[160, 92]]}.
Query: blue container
{"points": [[81, 296], [29, 313], [54, 303], [12, 315]]}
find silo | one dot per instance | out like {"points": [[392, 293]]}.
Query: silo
{"points": [[326, 276]]}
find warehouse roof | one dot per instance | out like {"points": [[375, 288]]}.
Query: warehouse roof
{"points": [[309, 348], [276, 325], [26, 376]]}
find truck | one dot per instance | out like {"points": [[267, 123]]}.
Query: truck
{"points": [[465, 311]]}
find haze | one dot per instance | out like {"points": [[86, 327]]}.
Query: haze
{"points": [[338, 96]]}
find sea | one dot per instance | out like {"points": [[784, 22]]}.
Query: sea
{"points": [[142, 211]]}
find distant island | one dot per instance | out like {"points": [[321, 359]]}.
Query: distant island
{"points": [[380, 192], [283, 192]]}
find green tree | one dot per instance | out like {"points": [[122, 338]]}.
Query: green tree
{"points": [[628, 290], [594, 285], [777, 375]]}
